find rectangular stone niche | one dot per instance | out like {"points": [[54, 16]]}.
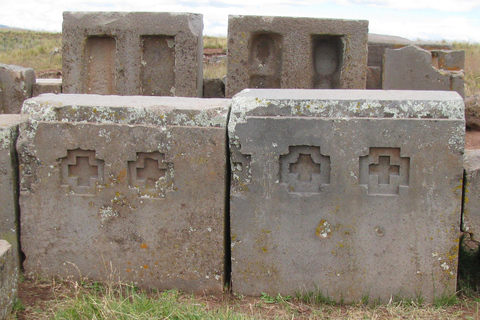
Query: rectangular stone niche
{"points": [[100, 58], [351, 193], [132, 187]]}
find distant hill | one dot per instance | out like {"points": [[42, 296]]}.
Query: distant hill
{"points": [[2, 26]]}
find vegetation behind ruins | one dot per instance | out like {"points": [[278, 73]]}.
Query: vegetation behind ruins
{"points": [[40, 51]]}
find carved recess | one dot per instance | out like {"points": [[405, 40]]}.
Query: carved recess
{"points": [[304, 169], [241, 170], [383, 171], [265, 60], [151, 175], [81, 172]]}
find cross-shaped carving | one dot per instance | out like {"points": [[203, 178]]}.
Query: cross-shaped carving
{"points": [[151, 171], [384, 169], [305, 167], [83, 171]]}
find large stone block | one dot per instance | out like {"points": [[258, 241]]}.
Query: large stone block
{"points": [[8, 279], [9, 219], [284, 52], [133, 186], [134, 53], [411, 68], [15, 86], [352, 193]]}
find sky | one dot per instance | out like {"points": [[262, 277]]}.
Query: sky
{"points": [[431, 20]]}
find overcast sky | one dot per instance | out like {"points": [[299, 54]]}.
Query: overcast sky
{"points": [[414, 19]]}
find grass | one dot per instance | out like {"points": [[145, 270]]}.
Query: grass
{"points": [[114, 300], [472, 66]]}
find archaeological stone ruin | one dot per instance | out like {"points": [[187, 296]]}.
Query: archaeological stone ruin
{"points": [[133, 53], [283, 52], [301, 179]]}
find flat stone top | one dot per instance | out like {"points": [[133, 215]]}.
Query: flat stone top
{"points": [[7, 120], [291, 19], [347, 104], [143, 22], [4, 247], [128, 109], [48, 81]]}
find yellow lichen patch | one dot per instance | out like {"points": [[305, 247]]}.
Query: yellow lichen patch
{"points": [[122, 175], [145, 266], [129, 270], [323, 230], [144, 246]]}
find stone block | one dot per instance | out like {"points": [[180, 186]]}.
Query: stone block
{"points": [[352, 193], [15, 86], [471, 205], [8, 279], [133, 53], [410, 68], [284, 52], [213, 88], [47, 86], [449, 60], [131, 186], [9, 213], [374, 77]]}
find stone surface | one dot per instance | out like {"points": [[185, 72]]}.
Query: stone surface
{"points": [[449, 60], [9, 220], [131, 186], [8, 279], [349, 192], [471, 205], [284, 52], [472, 112], [411, 68], [15, 86], [374, 77], [47, 86], [213, 88], [134, 53]]}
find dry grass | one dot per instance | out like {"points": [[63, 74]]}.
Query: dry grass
{"points": [[472, 66], [215, 43], [30, 49]]}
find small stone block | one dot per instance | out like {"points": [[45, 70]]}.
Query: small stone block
{"points": [[47, 86], [132, 187], [133, 53], [450, 60], [346, 192], [8, 279], [15, 86], [284, 52]]}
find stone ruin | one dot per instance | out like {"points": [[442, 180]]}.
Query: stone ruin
{"points": [[267, 191]]}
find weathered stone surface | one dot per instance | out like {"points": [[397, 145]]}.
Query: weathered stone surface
{"points": [[9, 182], [374, 77], [8, 279], [15, 86], [411, 68], [134, 53], [133, 186], [284, 52], [47, 86], [349, 192], [471, 205], [449, 60], [472, 112], [213, 88]]}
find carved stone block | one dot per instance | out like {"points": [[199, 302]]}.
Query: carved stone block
{"points": [[351, 193], [129, 186]]}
